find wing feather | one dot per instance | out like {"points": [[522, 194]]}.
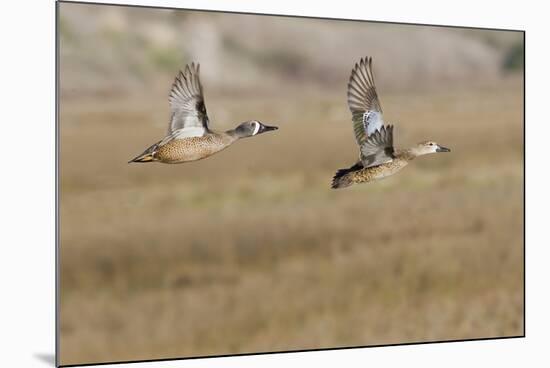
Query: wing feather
{"points": [[187, 101], [363, 101], [378, 147]]}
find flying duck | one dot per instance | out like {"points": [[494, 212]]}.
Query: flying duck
{"points": [[378, 158], [189, 136]]}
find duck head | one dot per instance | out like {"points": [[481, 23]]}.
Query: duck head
{"points": [[425, 148], [252, 128]]}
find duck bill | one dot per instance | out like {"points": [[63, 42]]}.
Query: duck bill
{"points": [[442, 149], [267, 128]]}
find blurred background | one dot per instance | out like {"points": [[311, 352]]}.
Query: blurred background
{"points": [[250, 250]]}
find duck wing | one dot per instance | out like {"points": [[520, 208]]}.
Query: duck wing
{"points": [[363, 101], [189, 117], [378, 147]]}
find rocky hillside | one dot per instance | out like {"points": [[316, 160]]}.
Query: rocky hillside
{"points": [[111, 50]]}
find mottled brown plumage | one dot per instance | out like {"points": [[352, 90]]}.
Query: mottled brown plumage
{"points": [[378, 158], [193, 148], [364, 175]]}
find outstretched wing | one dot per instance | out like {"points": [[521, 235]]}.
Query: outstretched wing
{"points": [[378, 147], [363, 101], [187, 103]]}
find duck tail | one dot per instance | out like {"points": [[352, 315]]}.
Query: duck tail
{"points": [[147, 156], [341, 179]]}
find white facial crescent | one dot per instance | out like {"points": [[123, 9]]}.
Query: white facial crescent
{"points": [[256, 128]]}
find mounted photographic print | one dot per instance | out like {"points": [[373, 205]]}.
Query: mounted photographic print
{"points": [[241, 183]]}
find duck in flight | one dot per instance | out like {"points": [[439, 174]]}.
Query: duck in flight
{"points": [[189, 136], [378, 158]]}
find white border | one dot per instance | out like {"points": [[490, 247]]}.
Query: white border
{"points": [[27, 182]]}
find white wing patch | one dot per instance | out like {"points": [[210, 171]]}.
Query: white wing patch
{"points": [[372, 121], [189, 132]]}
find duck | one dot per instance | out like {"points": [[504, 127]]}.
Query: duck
{"points": [[378, 159], [189, 136]]}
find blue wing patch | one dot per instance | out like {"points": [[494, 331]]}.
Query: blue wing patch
{"points": [[372, 121]]}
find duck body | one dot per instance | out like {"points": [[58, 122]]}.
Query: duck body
{"points": [[189, 136], [193, 148], [359, 174], [187, 149]]}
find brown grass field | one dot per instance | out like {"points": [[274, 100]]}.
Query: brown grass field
{"points": [[250, 250]]}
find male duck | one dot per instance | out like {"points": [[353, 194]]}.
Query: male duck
{"points": [[378, 158], [189, 136]]}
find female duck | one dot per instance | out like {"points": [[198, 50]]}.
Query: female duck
{"points": [[189, 136], [378, 158]]}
